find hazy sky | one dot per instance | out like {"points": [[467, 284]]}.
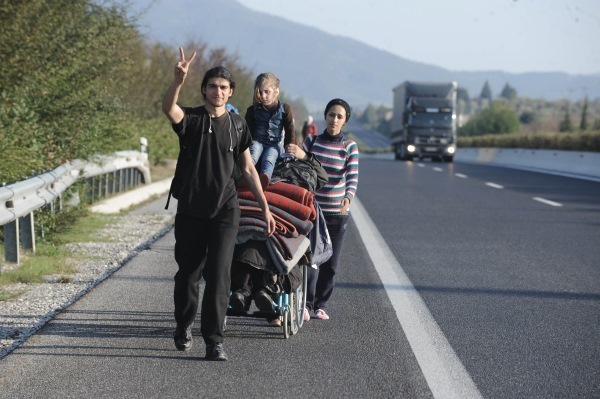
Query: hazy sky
{"points": [[508, 35]]}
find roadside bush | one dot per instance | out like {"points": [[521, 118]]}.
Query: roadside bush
{"points": [[60, 78], [578, 141], [498, 118]]}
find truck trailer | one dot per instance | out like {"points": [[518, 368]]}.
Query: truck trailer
{"points": [[424, 121]]}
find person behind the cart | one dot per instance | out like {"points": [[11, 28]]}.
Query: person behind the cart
{"points": [[339, 157], [257, 273]]}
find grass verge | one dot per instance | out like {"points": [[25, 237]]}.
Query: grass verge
{"points": [[51, 254]]}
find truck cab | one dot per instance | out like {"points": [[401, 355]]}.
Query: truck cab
{"points": [[424, 121]]}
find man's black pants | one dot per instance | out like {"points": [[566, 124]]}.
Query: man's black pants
{"points": [[204, 248]]}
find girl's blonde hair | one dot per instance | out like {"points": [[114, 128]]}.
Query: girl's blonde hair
{"points": [[271, 79]]}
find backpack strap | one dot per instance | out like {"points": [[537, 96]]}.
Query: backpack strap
{"points": [[238, 124], [239, 127], [312, 142], [169, 196]]}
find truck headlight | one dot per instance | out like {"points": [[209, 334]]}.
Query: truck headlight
{"points": [[410, 148], [451, 149]]}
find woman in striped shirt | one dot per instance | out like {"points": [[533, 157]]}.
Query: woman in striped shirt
{"points": [[339, 157]]}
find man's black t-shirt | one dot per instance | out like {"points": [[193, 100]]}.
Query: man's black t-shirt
{"points": [[212, 144]]}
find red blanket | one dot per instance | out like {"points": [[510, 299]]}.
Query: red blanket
{"points": [[294, 208], [251, 207], [297, 193], [282, 226]]}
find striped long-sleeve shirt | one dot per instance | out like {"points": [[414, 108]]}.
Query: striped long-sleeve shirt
{"points": [[339, 157]]}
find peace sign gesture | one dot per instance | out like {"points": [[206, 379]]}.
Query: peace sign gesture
{"points": [[181, 68]]}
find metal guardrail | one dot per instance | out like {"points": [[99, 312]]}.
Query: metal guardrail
{"points": [[582, 164], [105, 175]]}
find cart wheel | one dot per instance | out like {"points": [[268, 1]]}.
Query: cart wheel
{"points": [[301, 296], [294, 326], [286, 324]]}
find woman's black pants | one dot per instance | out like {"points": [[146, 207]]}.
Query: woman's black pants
{"points": [[321, 280]]}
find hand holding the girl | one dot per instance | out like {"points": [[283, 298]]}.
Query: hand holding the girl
{"points": [[296, 151]]}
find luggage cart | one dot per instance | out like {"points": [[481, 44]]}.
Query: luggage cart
{"points": [[289, 307]]}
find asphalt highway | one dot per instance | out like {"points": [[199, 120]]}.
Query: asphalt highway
{"points": [[495, 293]]}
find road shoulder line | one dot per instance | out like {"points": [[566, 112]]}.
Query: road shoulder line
{"points": [[441, 367]]}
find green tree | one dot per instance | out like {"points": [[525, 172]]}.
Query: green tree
{"points": [[462, 94], [527, 117], [583, 125], [498, 118], [369, 116], [376, 118], [566, 125], [486, 92], [508, 92], [463, 101], [60, 79]]}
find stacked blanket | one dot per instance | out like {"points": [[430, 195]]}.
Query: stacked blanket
{"points": [[292, 208]]}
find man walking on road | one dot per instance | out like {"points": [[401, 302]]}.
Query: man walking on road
{"points": [[208, 213]]}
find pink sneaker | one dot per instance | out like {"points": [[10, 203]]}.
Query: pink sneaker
{"points": [[306, 315], [321, 315]]}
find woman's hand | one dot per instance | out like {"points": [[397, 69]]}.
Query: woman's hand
{"points": [[181, 68], [296, 151], [345, 205]]}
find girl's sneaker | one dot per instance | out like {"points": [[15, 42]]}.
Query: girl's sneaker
{"points": [[321, 315], [306, 315]]}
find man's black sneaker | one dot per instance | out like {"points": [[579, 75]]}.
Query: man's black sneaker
{"points": [[183, 338], [215, 352], [263, 301]]}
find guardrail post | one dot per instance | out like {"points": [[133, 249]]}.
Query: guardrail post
{"points": [[122, 180], [113, 178], [98, 194], [89, 189], [127, 178], [11, 242], [27, 232], [103, 185]]}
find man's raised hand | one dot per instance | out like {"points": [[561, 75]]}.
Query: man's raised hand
{"points": [[181, 69]]}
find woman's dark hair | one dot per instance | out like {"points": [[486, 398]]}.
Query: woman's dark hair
{"points": [[338, 101], [217, 72]]}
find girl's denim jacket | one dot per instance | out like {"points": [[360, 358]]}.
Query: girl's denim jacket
{"points": [[268, 125]]}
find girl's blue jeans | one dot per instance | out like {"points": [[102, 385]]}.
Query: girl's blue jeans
{"points": [[267, 154]]}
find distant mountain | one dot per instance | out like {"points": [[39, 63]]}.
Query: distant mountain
{"points": [[318, 66]]}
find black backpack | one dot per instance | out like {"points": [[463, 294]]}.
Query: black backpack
{"points": [[307, 173], [184, 160]]}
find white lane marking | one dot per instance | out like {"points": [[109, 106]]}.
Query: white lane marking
{"points": [[460, 175], [547, 202], [421, 165], [438, 169], [444, 372], [494, 185]]}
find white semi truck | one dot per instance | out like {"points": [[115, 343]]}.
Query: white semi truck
{"points": [[424, 121]]}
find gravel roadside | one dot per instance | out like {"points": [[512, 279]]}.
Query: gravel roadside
{"points": [[21, 317]]}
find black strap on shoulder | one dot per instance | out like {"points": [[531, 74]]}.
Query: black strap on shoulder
{"points": [[312, 142], [239, 127]]}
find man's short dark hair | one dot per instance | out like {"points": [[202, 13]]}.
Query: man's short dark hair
{"points": [[217, 72]]}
